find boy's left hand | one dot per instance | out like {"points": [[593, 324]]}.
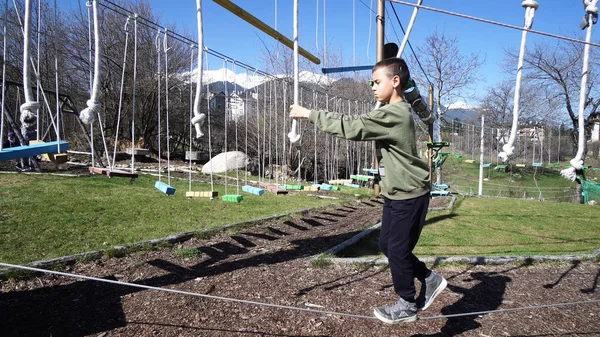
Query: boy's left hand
{"points": [[297, 111]]}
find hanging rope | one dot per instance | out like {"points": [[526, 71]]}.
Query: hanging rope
{"points": [[121, 94], [30, 107], [87, 115], [166, 51], [191, 114], [294, 136], [133, 95], [158, 82], [199, 118], [235, 123], [212, 184], [508, 148], [577, 162], [3, 72]]}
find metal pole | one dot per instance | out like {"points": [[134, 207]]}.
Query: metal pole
{"points": [[481, 149], [380, 42]]}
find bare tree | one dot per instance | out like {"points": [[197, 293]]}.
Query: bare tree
{"points": [[557, 69], [451, 71]]}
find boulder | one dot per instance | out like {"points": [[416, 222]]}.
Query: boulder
{"points": [[232, 160]]}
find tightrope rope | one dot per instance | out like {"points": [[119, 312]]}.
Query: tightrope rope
{"points": [[278, 306]]}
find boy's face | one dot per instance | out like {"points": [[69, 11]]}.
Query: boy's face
{"points": [[384, 86]]}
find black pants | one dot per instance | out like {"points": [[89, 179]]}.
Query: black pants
{"points": [[401, 227]]}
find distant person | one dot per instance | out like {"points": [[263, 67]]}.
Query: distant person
{"points": [[390, 50], [22, 164], [405, 185], [10, 141]]}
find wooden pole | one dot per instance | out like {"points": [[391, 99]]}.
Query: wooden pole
{"points": [[251, 19], [380, 42]]}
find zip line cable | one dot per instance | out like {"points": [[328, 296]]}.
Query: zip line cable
{"points": [[464, 16]]}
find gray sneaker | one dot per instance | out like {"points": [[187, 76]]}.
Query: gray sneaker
{"points": [[399, 312], [430, 289]]}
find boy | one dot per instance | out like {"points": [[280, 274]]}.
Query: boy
{"points": [[404, 185]]}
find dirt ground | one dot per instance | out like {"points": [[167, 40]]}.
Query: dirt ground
{"points": [[271, 263]]}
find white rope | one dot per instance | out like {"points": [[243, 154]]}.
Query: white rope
{"points": [[507, 149], [287, 307], [133, 95], [235, 122], [37, 87], [58, 121], [246, 130], [494, 22], [91, 77], [166, 50], [411, 24], [199, 118], [191, 116], [225, 109], [30, 107], [121, 94], [158, 93], [87, 115], [294, 136], [212, 185], [577, 162], [3, 72]]}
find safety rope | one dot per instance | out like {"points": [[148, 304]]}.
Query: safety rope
{"points": [[469, 17], [294, 136], [3, 72], [411, 24], [166, 51], [88, 114], [278, 306], [134, 92], [212, 184], [191, 115], [30, 107], [158, 108], [199, 117], [508, 148], [225, 110], [235, 122], [121, 95], [577, 162]]}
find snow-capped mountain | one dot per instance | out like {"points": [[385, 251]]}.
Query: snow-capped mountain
{"points": [[250, 80], [461, 111], [461, 105]]}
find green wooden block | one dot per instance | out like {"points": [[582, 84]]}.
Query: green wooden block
{"points": [[232, 198]]}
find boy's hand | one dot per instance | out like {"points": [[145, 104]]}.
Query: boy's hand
{"points": [[296, 111]]}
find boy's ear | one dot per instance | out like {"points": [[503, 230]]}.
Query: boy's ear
{"points": [[396, 82]]}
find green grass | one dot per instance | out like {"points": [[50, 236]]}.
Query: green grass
{"points": [[496, 227], [322, 261], [186, 253], [541, 183], [44, 216]]}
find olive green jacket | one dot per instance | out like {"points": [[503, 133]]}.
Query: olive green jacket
{"points": [[404, 174]]}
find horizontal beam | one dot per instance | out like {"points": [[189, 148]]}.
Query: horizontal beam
{"points": [[251, 19], [345, 69]]}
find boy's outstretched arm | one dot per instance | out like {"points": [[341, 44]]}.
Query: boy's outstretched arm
{"points": [[374, 125]]}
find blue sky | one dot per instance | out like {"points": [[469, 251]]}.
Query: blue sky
{"points": [[235, 38]]}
